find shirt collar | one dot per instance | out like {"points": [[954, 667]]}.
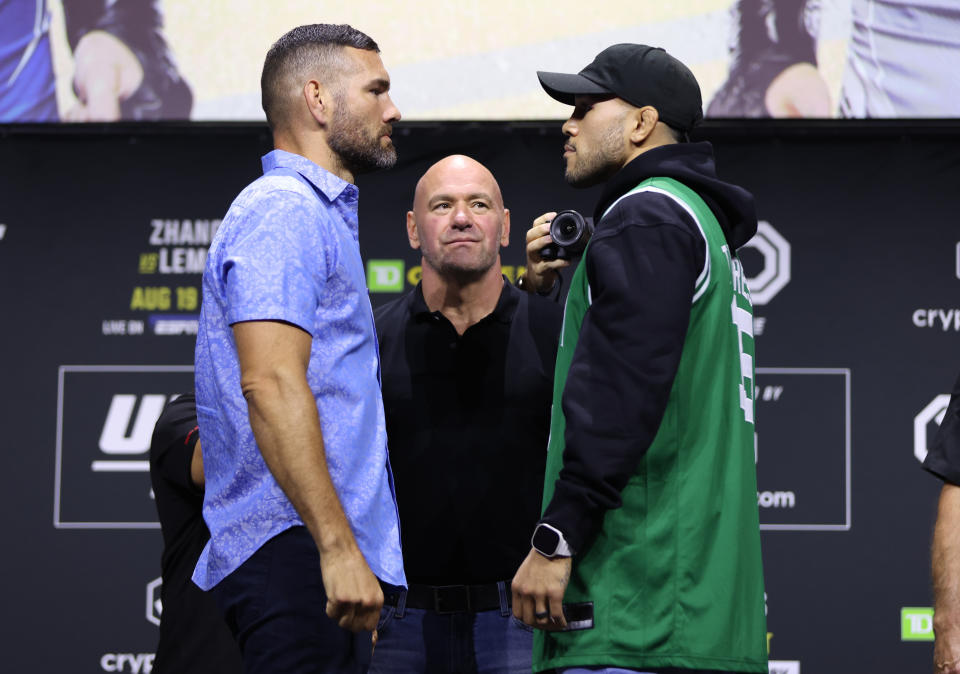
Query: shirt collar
{"points": [[503, 312], [330, 185]]}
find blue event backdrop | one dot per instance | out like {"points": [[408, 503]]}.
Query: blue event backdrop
{"points": [[855, 273]]}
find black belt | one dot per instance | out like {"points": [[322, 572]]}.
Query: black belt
{"points": [[453, 598]]}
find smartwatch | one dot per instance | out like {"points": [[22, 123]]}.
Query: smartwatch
{"points": [[549, 542]]}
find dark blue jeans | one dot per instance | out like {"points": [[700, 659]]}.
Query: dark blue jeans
{"points": [[417, 641], [275, 605]]}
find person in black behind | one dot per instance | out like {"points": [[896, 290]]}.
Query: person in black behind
{"points": [[193, 634], [467, 369]]}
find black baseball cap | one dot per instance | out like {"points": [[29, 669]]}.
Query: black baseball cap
{"points": [[638, 74]]}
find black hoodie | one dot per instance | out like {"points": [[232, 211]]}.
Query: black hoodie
{"points": [[642, 265]]}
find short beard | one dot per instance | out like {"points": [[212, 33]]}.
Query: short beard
{"points": [[459, 275], [467, 273], [358, 151], [603, 162]]}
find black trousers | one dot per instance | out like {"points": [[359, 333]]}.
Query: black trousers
{"points": [[275, 605]]}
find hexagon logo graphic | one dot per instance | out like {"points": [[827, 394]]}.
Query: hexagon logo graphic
{"points": [[934, 411], [154, 606], [775, 274]]}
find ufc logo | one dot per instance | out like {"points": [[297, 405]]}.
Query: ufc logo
{"points": [[127, 430], [105, 420]]}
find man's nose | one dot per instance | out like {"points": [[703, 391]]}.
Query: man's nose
{"points": [[461, 217], [392, 112]]}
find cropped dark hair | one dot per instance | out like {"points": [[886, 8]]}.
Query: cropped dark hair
{"points": [[315, 46]]}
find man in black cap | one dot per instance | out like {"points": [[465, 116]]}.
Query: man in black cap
{"points": [[647, 555]]}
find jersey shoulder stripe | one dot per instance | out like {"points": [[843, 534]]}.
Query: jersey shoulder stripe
{"points": [[703, 279]]}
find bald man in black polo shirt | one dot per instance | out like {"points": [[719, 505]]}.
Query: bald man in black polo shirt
{"points": [[467, 368]]}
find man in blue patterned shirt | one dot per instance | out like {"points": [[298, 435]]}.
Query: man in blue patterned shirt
{"points": [[299, 495]]}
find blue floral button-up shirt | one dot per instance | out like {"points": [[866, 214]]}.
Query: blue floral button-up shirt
{"points": [[288, 250]]}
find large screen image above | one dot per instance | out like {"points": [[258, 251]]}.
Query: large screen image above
{"points": [[107, 60]]}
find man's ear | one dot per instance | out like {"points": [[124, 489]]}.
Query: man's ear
{"points": [[412, 236], [505, 235], [319, 101], [645, 121]]}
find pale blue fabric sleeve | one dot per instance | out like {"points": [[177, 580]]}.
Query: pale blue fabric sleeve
{"points": [[277, 266]]}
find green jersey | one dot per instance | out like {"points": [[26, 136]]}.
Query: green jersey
{"points": [[675, 573]]}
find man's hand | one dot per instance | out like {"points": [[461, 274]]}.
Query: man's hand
{"points": [[274, 357], [541, 274], [946, 651], [946, 582], [106, 73], [354, 597], [538, 590]]}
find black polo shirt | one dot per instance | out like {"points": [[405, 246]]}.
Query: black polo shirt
{"points": [[467, 423]]}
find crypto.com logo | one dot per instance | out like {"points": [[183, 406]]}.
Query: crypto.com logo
{"points": [[775, 274], [934, 411]]}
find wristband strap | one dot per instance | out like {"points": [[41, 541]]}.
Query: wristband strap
{"points": [[524, 284]]}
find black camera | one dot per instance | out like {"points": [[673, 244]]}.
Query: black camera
{"points": [[570, 232]]}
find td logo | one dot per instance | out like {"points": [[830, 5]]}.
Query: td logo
{"points": [[385, 276], [916, 624], [934, 411]]}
